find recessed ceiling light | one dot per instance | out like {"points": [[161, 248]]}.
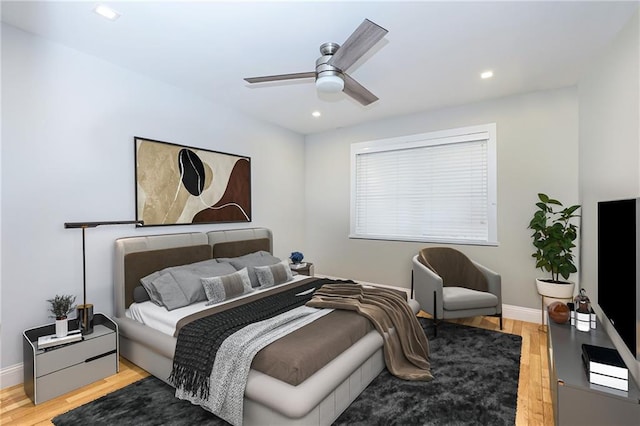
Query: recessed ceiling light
{"points": [[487, 74], [106, 12], [316, 114]]}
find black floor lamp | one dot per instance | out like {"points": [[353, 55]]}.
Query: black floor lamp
{"points": [[85, 311]]}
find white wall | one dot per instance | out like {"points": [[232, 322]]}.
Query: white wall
{"points": [[67, 155], [609, 99], [537, 147]]}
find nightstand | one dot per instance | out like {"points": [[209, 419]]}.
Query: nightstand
{"points": [[54, 371], [307, 269]]}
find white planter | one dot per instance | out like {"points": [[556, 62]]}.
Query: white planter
{"points": [[563, 292], [62, 327]]}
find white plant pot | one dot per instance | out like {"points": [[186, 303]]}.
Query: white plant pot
{"points": [[62, 327], [555, 291]]}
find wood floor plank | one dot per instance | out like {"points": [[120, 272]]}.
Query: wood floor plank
{"points": [[534, 396]]}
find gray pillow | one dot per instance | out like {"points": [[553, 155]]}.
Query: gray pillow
{"points": [[251, 260], [260, 253], [140, 294], [151, 291], [221, 288], [269, 276], [170, 292], [180, 286]]}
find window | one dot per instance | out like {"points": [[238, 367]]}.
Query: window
{"points": [[432, 187]]}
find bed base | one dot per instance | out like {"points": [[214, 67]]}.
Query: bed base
{"points": [[255, 412]]}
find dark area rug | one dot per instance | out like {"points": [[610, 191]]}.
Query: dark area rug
{"points": [[476, 383]]}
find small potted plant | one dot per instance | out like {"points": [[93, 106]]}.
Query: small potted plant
{"points": [[553, 235], [61, 306]]}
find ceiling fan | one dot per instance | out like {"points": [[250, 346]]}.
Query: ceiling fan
{"points": [[330, 70]]}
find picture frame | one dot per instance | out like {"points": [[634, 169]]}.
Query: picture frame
{"points": [[183, 185]]}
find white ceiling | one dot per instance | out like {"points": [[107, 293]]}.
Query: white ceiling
{"points": [[431, 57]]}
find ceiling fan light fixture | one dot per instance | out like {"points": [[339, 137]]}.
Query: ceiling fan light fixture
{"points": [[106, 12], [330, 83]]}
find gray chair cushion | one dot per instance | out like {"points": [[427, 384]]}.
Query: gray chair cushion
{"points": [[459, 298]]}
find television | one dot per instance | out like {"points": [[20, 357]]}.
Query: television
{"points": [[619, 268]]}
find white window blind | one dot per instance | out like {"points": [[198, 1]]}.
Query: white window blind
{"points": [[432, 187]]}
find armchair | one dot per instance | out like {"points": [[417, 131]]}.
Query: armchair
{"points": [[448, 284]]}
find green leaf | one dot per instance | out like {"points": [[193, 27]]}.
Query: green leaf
{"points": [[553, 237], [569, 210]]}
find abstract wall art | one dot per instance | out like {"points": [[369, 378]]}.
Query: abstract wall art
{"points": [[177, 185]]}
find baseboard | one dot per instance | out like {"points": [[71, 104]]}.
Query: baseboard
{"points": [[520, 313], [11, 376]]}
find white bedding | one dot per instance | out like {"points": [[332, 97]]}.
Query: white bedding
{"points": [[159, 318]]}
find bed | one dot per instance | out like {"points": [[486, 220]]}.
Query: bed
{"points": [[317, 400]]}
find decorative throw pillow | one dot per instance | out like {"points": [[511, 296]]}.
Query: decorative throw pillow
{"points": [[269, 276], [250, 261], [219, 289]]}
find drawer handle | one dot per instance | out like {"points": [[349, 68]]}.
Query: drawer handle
{"points": [[93, 358]]}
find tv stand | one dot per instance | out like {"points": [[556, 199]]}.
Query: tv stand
{"points": [[575, 400]]}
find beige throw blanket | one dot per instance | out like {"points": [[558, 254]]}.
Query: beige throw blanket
{"points": [[406, 350]]}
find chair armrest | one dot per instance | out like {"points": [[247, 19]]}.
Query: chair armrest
{"points": [[425, 283], [494, 280]]}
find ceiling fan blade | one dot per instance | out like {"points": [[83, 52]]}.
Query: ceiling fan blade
{"points": [[281, 77], [358, 91], [358, 43]]}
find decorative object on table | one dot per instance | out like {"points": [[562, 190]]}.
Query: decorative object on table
{"points": [[559, 312], [53, 340], [85, 311], [177, 184], [583, 311], [296, 257], [61, 306], [605, 367], [553, 236], [572, 313]]}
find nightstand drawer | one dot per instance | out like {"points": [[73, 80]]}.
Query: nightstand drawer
{"points": [[57, 359], [68, 379]]}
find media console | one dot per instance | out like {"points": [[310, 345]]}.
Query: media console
{"points": [[575, 400]]}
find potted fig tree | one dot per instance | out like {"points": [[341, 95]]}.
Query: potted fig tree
{"points": [[61, 306], [554, 233]]}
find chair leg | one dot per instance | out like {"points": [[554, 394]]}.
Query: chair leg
{"points": [[435, 316], [412, 283], [499, 316]]}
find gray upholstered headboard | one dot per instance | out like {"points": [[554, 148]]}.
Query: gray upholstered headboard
{"points": [[137, 257]]}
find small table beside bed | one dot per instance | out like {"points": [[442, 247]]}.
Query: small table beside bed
{"points": [[309, 376]]}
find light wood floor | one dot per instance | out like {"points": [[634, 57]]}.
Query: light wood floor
{"points": [[534, 398]]}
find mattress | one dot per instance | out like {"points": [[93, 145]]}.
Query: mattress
{"points": [[292, 358], [159, 318]]}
